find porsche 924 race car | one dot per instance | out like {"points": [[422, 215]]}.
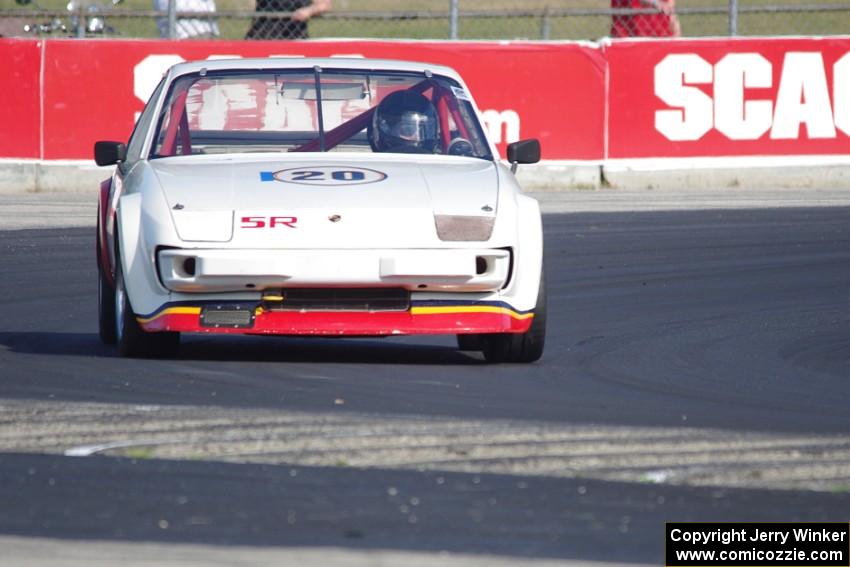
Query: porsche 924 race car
{"points": [[341, 197]]}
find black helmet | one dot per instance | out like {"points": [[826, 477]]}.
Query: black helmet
{"points": [[405, 122]]}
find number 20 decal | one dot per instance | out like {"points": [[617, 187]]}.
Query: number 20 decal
{"points": [[325, 175], [336, 175]]}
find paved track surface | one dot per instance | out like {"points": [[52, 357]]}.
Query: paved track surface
{"points": [[696, 369]]}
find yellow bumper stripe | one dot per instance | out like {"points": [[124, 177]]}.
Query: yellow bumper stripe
{"points": [[171, 311], [469, 309]]}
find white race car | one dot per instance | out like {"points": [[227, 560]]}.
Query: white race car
{"points": [[335, 197]]}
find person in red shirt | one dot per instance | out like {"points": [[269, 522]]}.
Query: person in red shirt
{"points": [[662, 23]]}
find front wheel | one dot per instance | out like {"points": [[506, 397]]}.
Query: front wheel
{"points": [[520, 347], [132, 340]]}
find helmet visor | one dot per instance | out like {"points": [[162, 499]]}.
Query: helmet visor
{"points": [[412, 127]]}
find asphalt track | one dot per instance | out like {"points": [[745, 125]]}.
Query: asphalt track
{"points": [[728, 327]]}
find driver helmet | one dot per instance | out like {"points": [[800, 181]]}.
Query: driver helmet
{"points": [[404, 122]]}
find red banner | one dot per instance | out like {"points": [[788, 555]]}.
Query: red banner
{"points": [[20, 98], [93, 89], [729, 97], [626, 99]]}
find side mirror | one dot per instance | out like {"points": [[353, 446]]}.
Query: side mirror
{"points": [[109, 153], [524, 151]]}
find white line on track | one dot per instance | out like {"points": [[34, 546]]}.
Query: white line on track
{"points": [[89, 450]]}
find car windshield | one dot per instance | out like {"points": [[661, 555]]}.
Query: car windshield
{"points": [[312, 111]]}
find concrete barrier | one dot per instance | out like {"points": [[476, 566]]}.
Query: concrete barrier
{"points": [[65, 176], [700, 173]]}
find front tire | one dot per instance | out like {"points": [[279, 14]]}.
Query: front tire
{"points": [[132, 340], [105, 297], [105, 309], [520, 347]]}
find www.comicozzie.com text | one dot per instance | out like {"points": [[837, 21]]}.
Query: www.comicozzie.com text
{"points": [[726, 537]]}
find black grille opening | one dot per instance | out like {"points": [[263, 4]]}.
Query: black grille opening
{"points": [[342, 299]]}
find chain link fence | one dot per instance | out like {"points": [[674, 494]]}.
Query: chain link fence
{"points": [[417, 19]]}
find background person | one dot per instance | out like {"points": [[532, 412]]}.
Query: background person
{"points": [[188, 28], [662, 23], [286, 28]]}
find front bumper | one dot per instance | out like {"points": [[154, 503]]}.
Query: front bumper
{"points": [[422, 318]]}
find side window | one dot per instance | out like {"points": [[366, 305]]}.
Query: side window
{"points": [[137, 138]]}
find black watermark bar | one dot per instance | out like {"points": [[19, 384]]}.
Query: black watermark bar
{"points": [[757, 544]]}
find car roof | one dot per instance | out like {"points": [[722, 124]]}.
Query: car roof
{"points": [[353, 63]]}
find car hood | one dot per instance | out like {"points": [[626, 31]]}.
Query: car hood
{"points": [[333, 201]]}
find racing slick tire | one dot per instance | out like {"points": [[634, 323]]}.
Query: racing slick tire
{"points": [[105, 309], [132, 340], [105, 299], [520, 347]]}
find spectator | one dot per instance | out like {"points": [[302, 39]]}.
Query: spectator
{"points": [[188, 28], [662, 23], [294, 27]]}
